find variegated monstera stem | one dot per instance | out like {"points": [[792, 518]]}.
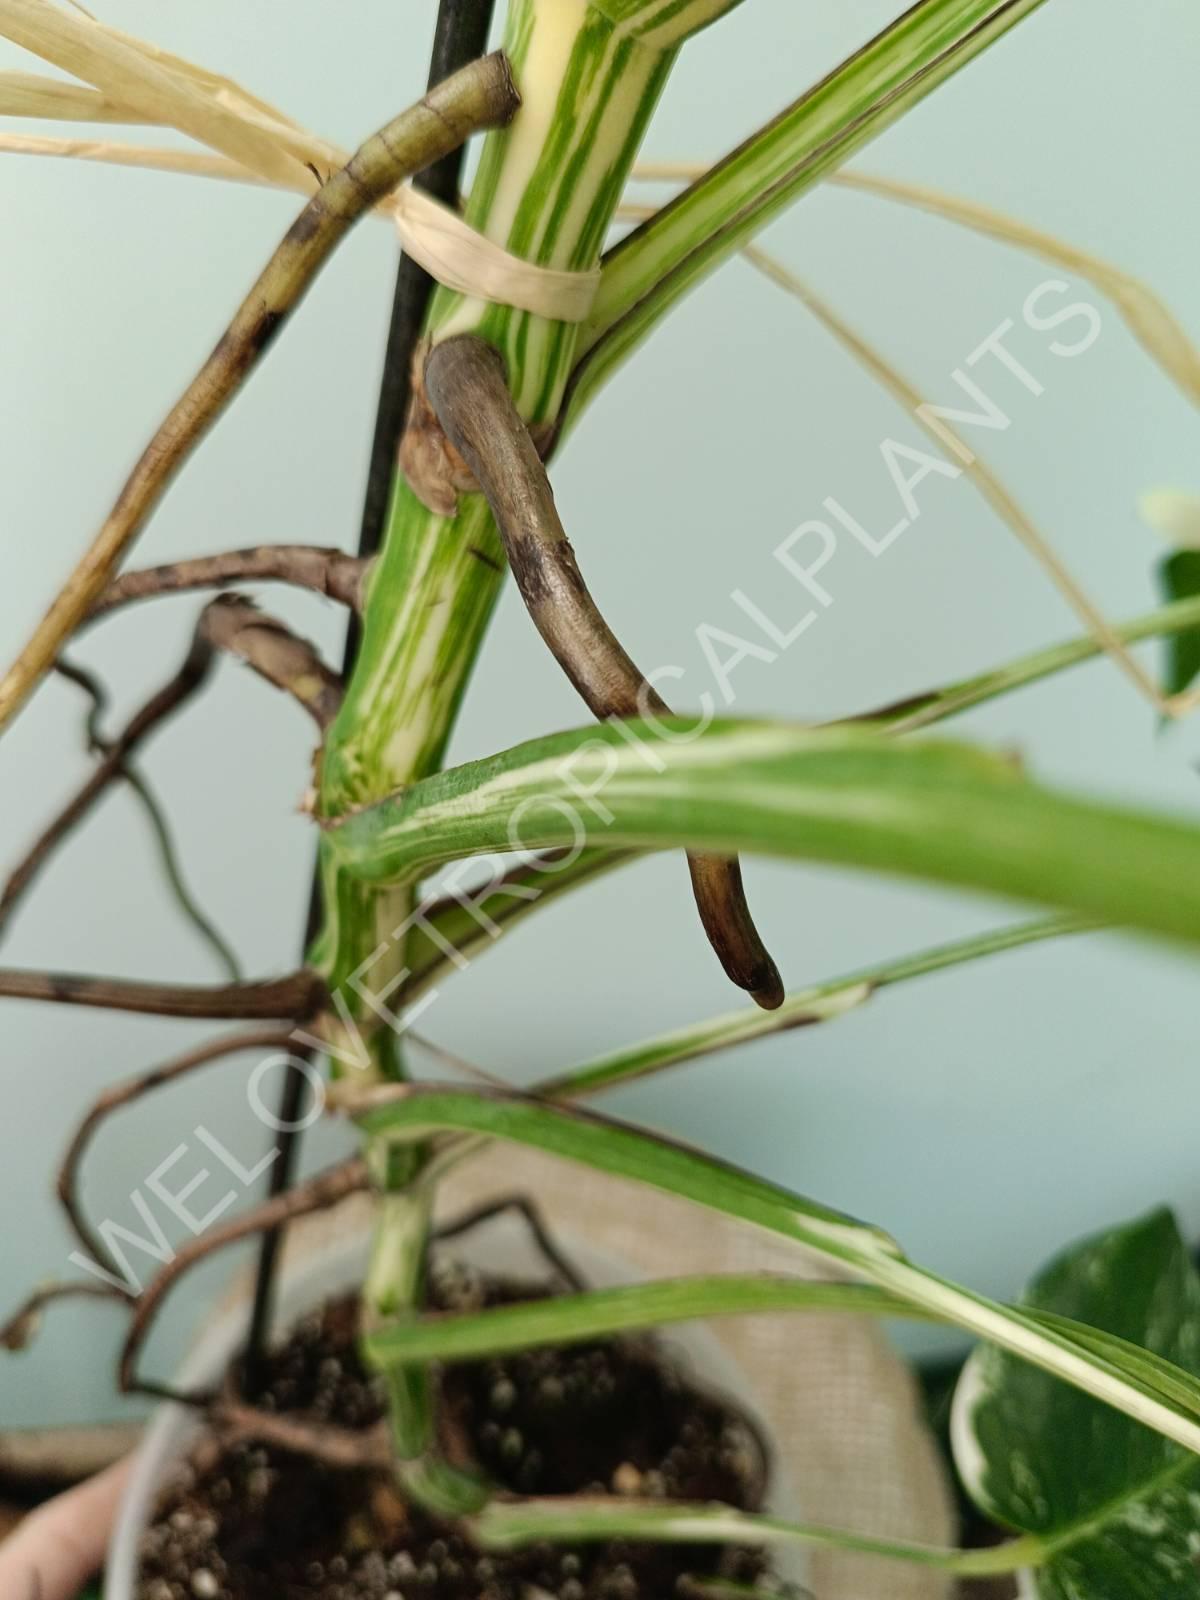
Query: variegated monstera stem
{"points": [[589, 76]]}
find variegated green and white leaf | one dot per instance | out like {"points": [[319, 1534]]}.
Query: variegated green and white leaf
{"points": [[455, 925], [650, 270], [938, 811], [545, 189], [400, 1115], [1116, 1505]]}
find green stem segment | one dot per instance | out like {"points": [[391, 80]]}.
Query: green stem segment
{"points": [[464, 923], [922, 711], [667, 256], [546, 189], [822, 1002], [579, 1521]]}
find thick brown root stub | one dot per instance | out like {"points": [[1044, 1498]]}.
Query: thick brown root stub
{"points": [[725, 913], [466, 389]]}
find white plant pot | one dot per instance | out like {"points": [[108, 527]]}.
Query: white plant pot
{"points": [[502, 1247]]}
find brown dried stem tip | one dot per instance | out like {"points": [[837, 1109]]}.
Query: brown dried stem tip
{"points": [[465, 384], [482, 95]]}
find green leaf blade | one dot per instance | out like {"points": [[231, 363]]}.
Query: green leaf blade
{"points": [[939, 812], [613, 1147], [413, 1112], [602, 1313]]}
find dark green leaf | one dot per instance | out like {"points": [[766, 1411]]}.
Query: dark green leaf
{"points": [[1179, 576], [1118, 1505]]}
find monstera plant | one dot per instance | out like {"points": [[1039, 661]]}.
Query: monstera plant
{"points": [[1077, 1421]]}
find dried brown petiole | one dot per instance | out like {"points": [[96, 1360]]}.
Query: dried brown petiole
{"points": [[465, 385]]}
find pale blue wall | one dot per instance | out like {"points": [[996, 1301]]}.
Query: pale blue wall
{"points": [[982, 1116]]}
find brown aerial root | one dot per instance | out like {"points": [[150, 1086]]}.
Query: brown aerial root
{"points": [[466, 388], [327, 1189], [325, 571], [228, 623], [124, 1094], [235, 1422], [481, 95], [236, 625], [299, 994], [112, 767], [346, 1449], [21, 1328], [530, 1213]]}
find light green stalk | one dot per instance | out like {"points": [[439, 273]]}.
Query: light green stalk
{"points": [[503, 1527], [823, 1002], [547, 187], [662, 260]]}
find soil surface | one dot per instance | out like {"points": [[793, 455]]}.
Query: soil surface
{"points": [[253, 1522]]}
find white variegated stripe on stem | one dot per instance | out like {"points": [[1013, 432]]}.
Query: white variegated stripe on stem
{"points": [[651, 269]]}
